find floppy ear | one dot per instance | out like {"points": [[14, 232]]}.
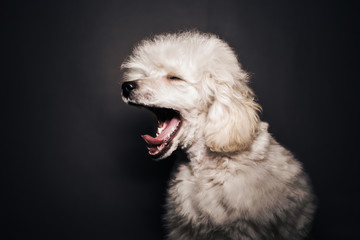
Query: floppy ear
{"points": [[232, 116]]}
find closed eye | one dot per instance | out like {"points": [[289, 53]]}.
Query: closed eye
{"points": [[173, 77]]}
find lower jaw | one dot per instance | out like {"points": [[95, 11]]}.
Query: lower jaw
{"points": [[163, 153]]}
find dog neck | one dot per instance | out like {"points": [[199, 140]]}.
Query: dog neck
{"points": [[201, 157]]}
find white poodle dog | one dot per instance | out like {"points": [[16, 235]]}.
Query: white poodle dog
{"points": [[239, 183]]}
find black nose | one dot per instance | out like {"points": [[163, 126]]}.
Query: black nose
{"points": [[127, 87]]}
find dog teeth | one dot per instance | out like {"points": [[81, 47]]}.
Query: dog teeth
{"points": [[160, 128], [166, 141]]}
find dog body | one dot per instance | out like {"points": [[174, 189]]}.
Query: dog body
{"points": [[260, 193], [239, 182]]}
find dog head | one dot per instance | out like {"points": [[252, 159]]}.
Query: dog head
{"points": [[194, 83]]}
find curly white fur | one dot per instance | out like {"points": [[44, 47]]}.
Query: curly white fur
{"points": [[239, 183]]}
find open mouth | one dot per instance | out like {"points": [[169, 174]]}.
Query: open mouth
{"points": [[169, 122]]}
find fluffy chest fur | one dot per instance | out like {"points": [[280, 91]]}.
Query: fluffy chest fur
{"points": [[260, 194]]}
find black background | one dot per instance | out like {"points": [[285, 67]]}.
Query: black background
{"points": [[74, 165]]}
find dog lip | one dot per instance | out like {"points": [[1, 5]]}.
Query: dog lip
{"points": [[169, 123], [172, 120], [165, 131], [160, 154], [163, 139]]}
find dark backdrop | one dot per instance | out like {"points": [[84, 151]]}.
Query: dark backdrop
{"points": [[74, 165]]}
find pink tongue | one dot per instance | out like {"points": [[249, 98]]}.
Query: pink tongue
{"points": [[163, 135], [151, 141]]}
